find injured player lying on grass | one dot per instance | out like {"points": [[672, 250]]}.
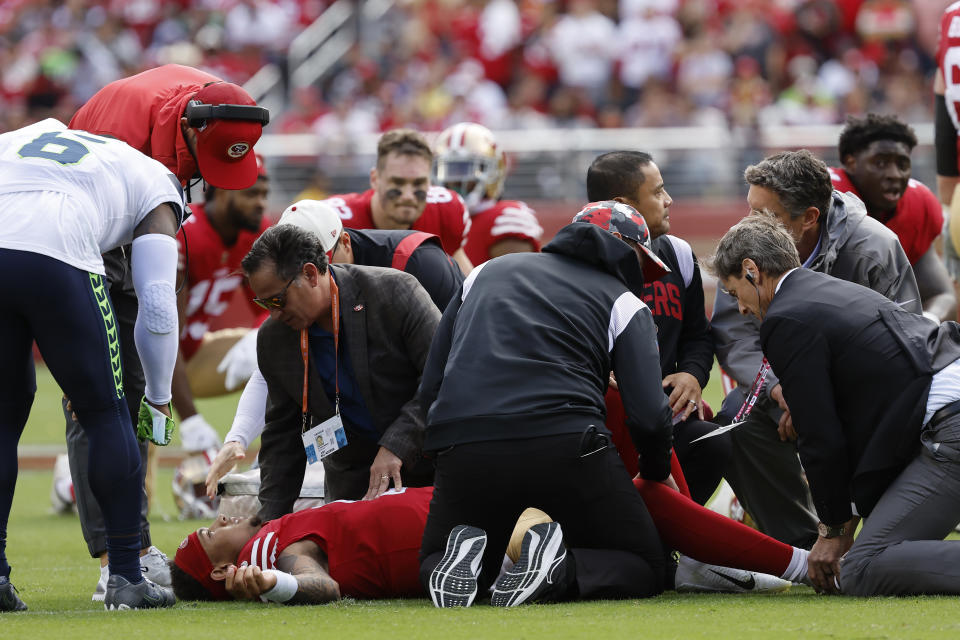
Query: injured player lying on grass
{"points": [[369, 550]]}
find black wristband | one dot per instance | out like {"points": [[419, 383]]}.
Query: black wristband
{"points": [[945, 140]]}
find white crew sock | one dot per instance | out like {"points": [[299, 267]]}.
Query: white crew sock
{"points": [[797, 569]]}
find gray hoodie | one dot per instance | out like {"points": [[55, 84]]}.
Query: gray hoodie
{"points": [[853, 247]]}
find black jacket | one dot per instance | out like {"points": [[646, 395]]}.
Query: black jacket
{"points": [[526, 350], [428, 263], [676, 301], [856, 370], [388, 321]]}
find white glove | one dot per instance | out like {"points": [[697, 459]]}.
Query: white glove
{"points": [[240, 361], [196, 434]]}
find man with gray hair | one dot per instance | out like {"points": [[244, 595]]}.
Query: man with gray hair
{"points": [[874, 392], [832, 234]]}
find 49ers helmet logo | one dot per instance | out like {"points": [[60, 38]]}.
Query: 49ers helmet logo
{"points": [[238, 149]]}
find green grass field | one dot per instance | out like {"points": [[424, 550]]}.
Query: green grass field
{"points": [[56, 577]]}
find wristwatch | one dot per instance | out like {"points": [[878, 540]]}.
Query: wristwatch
{"points": [[830, 531]]}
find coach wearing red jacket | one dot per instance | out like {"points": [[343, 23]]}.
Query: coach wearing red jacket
{"points": [[193, 123]]}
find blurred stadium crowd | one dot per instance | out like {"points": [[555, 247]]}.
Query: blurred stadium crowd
{"points": [[508, 64]]}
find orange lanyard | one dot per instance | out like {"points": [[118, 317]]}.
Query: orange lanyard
{"points": [[305, 354]]}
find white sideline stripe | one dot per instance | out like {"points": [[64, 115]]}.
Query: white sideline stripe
{"points": [[623, 311]]}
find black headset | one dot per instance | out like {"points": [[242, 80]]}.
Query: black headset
{"points": [[749, 277], [197, 113]]}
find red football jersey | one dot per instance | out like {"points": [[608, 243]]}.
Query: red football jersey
{"points": [[372, 546], [213, 275], [948, 59], [498, 221], [949, 38], [444, 216], [917, 220]]}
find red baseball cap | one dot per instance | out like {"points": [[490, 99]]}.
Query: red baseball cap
{"points": [[225, 146]]}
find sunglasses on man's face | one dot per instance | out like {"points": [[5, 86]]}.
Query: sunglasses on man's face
{"points": [[278, 301]]}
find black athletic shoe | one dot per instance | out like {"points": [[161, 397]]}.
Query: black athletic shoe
{"points": [[540, 573], [9, 600], [143, 595], [453, 582]]}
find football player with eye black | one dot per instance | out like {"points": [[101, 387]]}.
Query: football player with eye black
{"points": [[401, 197]]}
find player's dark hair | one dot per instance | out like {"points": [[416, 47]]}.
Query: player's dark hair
{"points": [[799, 178], [288, 248], [616, 174], [185, 586], [860, 133]]}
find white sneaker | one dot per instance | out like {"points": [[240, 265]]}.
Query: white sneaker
{"points": [[101, 591], [155, 568], [694, 576]]}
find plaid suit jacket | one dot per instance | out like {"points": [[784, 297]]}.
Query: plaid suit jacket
{"points": [[388, 321]]}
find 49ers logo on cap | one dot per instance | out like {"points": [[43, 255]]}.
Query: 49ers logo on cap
{"points": [[238, 149]]}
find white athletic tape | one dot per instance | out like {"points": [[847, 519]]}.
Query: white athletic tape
{"points": [[285, 588]]}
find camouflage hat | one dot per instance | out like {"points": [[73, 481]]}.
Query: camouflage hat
{"points": [[622, 218]]}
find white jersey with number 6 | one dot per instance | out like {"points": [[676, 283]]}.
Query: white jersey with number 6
{"points": [[72, 196]]}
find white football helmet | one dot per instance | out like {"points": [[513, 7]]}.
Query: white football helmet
{"points": [[190, 487], [468, 161]]}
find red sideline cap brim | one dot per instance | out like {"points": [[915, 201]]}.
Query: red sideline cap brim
{"points": [[653, 266], [225, 153], [228, 175]]}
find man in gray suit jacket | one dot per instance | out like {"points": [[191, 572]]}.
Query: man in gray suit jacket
{"points": [[833, 234], [364, 368], [875, 396]]}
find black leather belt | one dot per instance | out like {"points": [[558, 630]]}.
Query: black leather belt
{"points": [[943, 413]]}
